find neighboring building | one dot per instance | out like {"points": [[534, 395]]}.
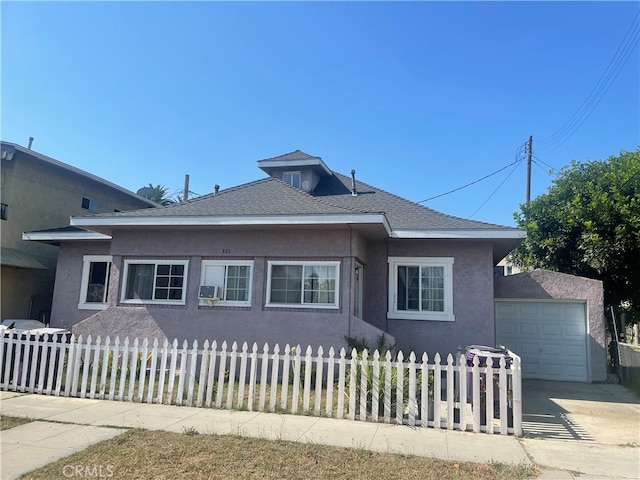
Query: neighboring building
{"points": [[505, 267], [305, 256], [38, 192]]}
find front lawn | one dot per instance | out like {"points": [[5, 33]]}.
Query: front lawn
{"points": [[145, 454]]}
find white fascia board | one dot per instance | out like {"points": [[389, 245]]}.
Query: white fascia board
{"points": [[61, 236], [232, 221], [310, 162], [468, 234]]}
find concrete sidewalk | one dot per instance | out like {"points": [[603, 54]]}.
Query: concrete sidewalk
{"points": [[89, 421]]}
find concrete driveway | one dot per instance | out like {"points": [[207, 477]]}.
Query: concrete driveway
{"points": [[589, 430], [587, 412]]}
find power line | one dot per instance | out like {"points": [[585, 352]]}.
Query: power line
{"points": [[545, 164], [608, 77], [497, 188], [518, 158], [469, 184]]}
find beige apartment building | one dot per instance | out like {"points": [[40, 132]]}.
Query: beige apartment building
{"points": [[38, 192]]}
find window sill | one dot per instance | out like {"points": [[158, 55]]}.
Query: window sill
{"points": [[299, 306], [177, 303], [92, 306], [428, 317]]}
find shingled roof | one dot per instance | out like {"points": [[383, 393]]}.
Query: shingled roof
{"points": [[401, 213], [332, 201]]}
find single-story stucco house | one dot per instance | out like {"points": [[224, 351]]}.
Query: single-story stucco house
{"points": [[304, 256]]}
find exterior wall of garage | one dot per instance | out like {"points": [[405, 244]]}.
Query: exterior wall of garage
{"points": [[547, 285]]}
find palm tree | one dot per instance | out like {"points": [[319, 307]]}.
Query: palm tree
{"points": [[160, 195]]}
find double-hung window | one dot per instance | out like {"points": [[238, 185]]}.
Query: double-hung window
{"points": [[421, 288], [292, 178], [155, 281], [95, 282], [303, 284], [232, 277]]}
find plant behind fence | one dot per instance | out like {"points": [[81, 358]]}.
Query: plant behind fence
{"points": [[359, 385]]}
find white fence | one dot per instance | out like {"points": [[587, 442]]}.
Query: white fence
{"points": [[356, 385]]}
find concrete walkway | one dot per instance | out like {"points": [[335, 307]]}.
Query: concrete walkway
{"points": [[87, 421]]}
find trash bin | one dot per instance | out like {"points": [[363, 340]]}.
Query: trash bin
{"points": [[485, 355]]}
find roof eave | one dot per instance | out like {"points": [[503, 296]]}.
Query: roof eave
{"points": [[488, 234], [64, 236], [123, 221], [269, 166]]}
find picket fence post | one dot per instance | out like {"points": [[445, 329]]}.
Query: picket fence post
{"points": [[319, 375], [352, 384], [363, 384], [330, 371], [253, 370], [341, 380], [306, 391], [152, 370], [375, 386], [275, 366], [516, 373]]}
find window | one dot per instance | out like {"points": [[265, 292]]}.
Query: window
{"points": [[421, 288], [234, 277], [89, 204], [95, 282], [154, 281], [292, 178], [3, 212], [303, 284]]}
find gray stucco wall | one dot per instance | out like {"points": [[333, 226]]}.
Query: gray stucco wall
{"points": [[255, 323], [472, 289], [547, 285], [472, 296]]}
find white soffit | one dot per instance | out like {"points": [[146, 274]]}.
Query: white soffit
{"points": [[232, 221], [58, 236], [514, 233]]}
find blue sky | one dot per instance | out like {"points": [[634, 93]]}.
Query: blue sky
{"points": [[420, 98]]}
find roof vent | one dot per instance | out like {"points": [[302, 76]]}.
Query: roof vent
{"points": [[354, 192], [215, 189], [30, 142]]}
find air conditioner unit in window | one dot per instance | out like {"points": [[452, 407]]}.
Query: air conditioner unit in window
{"points": [[210, 292]]}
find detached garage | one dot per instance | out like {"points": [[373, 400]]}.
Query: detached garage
{"points": [[555, 322]]}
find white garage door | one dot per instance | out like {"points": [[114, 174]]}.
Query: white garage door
{"points": [[550, 337]]}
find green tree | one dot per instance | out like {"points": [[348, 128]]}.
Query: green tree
{"points": [[161, 195], [588, 224]]}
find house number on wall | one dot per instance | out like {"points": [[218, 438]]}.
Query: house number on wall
{"points": [[226, 250]]}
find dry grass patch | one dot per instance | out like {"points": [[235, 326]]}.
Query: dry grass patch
{"points": [[7, 422], [144, 454]]}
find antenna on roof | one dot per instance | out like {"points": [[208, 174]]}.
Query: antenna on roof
{"points": [[30, 142], [354, 192]]}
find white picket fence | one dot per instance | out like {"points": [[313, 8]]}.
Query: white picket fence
{"points": [[356, 385]]}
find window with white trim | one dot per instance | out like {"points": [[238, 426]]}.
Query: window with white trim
{"points": [[292, 178], [303, 284], [155, 281], [234, 277], [95, 282], [421, 288]]}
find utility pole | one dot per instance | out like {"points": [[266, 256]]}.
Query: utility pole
{"points": [[529, 151]]}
